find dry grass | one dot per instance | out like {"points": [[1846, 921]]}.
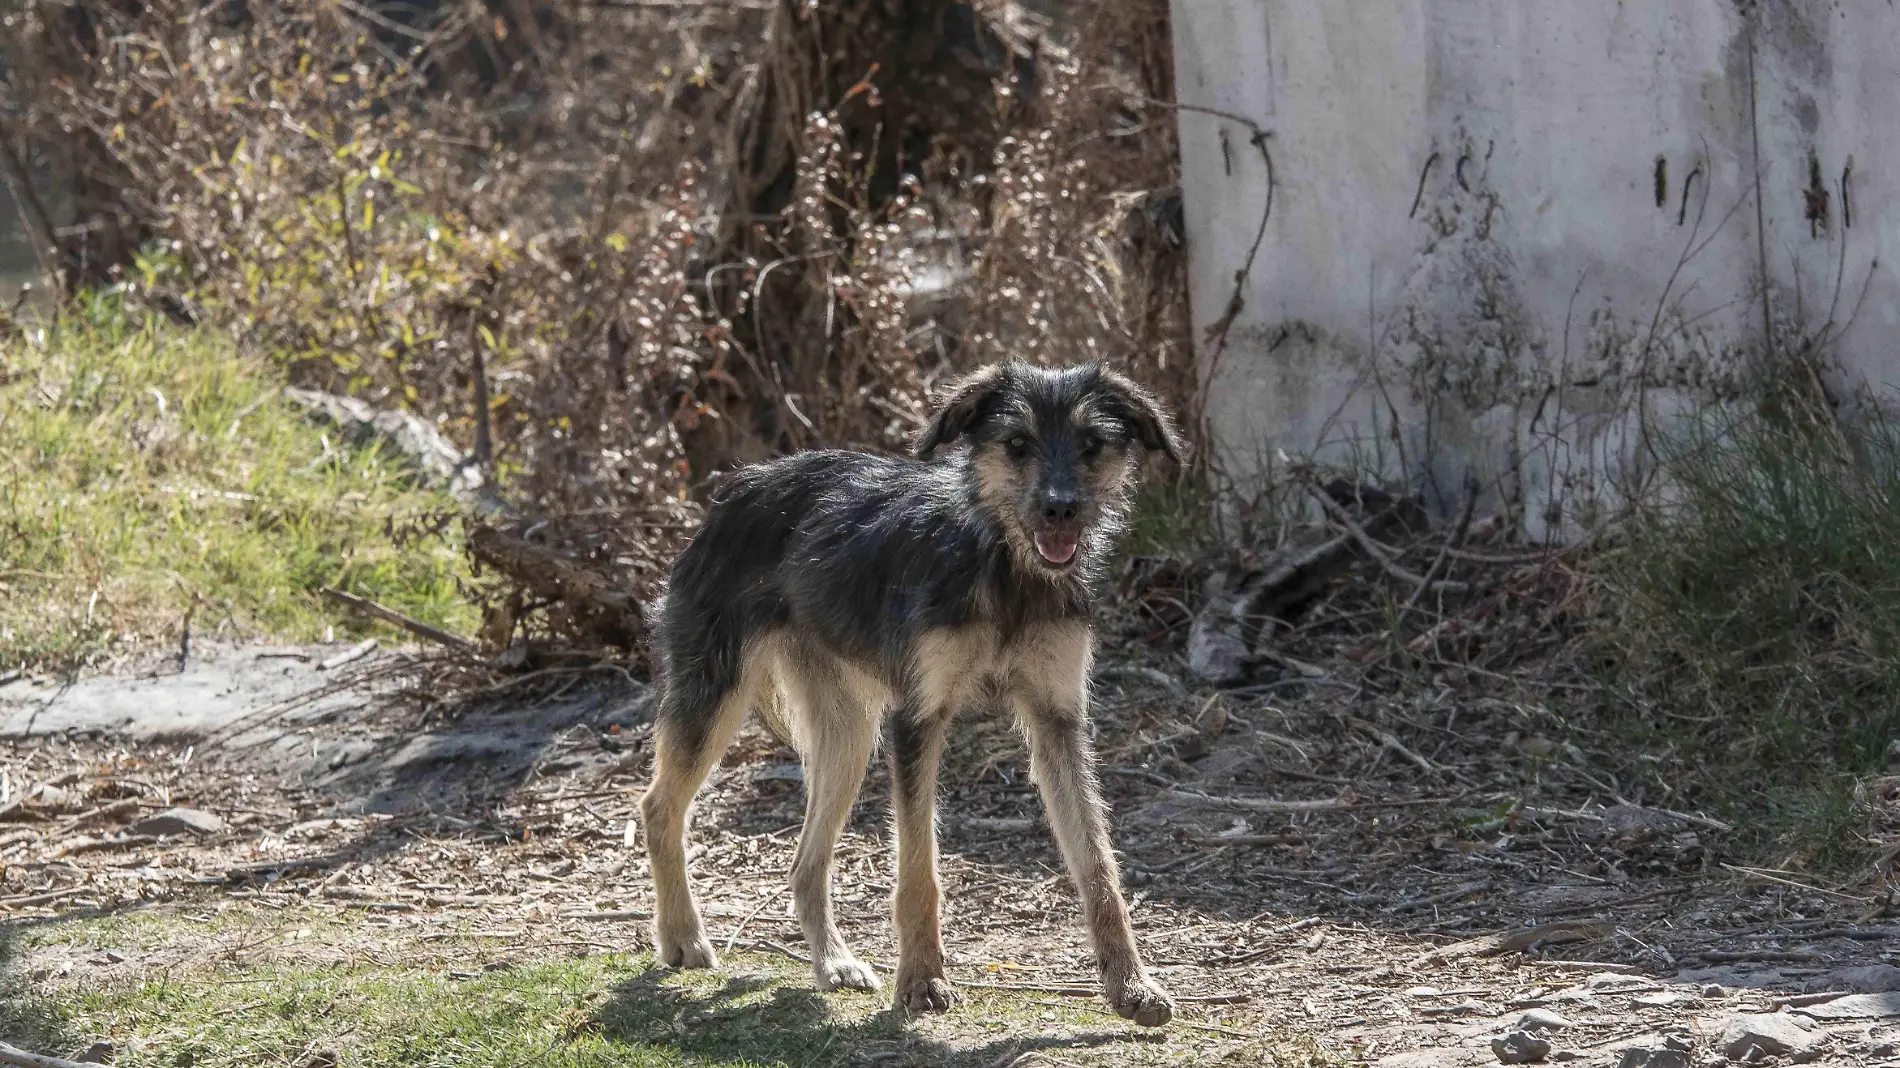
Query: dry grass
{"points": [[1759, 608]]}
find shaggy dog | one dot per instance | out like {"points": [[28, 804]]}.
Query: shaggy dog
{"points": [[835, 591]]}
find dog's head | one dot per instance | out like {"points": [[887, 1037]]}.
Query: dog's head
{"points": [[1052, 452]]}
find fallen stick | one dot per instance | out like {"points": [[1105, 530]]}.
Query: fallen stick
{"points": [[413, 626], [349, 656], [1261, 804], [1457, 538], [1391, 741], [14, 1055], [47, 898], [1493, 945], [82, 844], [1378, 552], [1081, 991]]}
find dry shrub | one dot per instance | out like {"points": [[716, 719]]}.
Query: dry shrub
{"points": [[613, 250]]}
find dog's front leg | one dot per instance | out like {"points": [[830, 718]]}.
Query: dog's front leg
{"points": [[916, 749], [1063, 765]]}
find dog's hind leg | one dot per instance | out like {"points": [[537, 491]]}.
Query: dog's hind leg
{"points": [[693, 731], [838, 734], [916, 749]]}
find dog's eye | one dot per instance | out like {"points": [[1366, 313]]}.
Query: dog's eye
{"points": [[1091, 444], [1017, 444]]}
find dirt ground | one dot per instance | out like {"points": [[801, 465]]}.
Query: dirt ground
{"points": [[1393, 879]]}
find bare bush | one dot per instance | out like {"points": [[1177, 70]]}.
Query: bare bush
{"points": [[614, 250]]}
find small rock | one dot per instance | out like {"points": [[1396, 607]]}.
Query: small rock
{"points": [[1541, 1020], [1777, 1034], [179, 821], [1672, 1052], [1714, 990], [97, 1053], [1519, 1047], [1662, 1000], [1565, 1055]]}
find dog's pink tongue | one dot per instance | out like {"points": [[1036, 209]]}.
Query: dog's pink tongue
{"points": [[1056, 548]]}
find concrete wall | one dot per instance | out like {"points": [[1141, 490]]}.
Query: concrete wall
{"points": [[1500, 229]]}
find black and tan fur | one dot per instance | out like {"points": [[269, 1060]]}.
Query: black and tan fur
{"points": [[836, 591]]}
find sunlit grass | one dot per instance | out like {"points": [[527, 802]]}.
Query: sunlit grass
{"points": [[149, 471]]}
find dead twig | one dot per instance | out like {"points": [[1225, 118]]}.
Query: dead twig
{"points": [[47, 898], [348, 656], [1263, 804], [619, 916], [413, 626], [1378, 551], [14, 1055], [1782, 880], [1451, 544], [1391, 741], [1493, 945]]}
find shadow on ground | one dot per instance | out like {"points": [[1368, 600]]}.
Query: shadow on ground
{"points": [[749, 1020]]}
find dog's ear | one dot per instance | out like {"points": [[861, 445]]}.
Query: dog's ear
{"points": [[959, 409], [1144, 415]]}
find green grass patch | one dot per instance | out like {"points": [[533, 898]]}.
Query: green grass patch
{"points": [[1760, 605], [147, 471], [386, 1000], [1172, 514]]}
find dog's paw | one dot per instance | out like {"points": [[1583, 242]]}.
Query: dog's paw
{"points": [[1142, 1000], [694, 951], [845, 972], [927, 994]]}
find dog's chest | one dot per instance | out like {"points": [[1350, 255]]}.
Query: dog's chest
{"points": [[955, 669]]}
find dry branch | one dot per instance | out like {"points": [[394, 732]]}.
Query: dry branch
{"points": [[596, 603], [16, 1056], [390, 615], [1262, 804], [1377, 551], [1492, 945]]}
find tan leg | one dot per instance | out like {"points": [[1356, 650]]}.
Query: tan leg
{"points": [[680, 766], [1063, 765], [841, 737], [916, 749]]}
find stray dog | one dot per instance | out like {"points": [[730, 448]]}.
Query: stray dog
{"points": [[833, 590]]}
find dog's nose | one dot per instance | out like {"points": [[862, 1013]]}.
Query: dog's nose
{"points": [[1059, 505]]}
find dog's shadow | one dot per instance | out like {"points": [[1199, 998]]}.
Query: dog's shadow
{"points": [[752, 1021]]}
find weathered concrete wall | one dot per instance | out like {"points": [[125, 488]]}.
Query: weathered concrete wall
{"points": [[1500, 229]]}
